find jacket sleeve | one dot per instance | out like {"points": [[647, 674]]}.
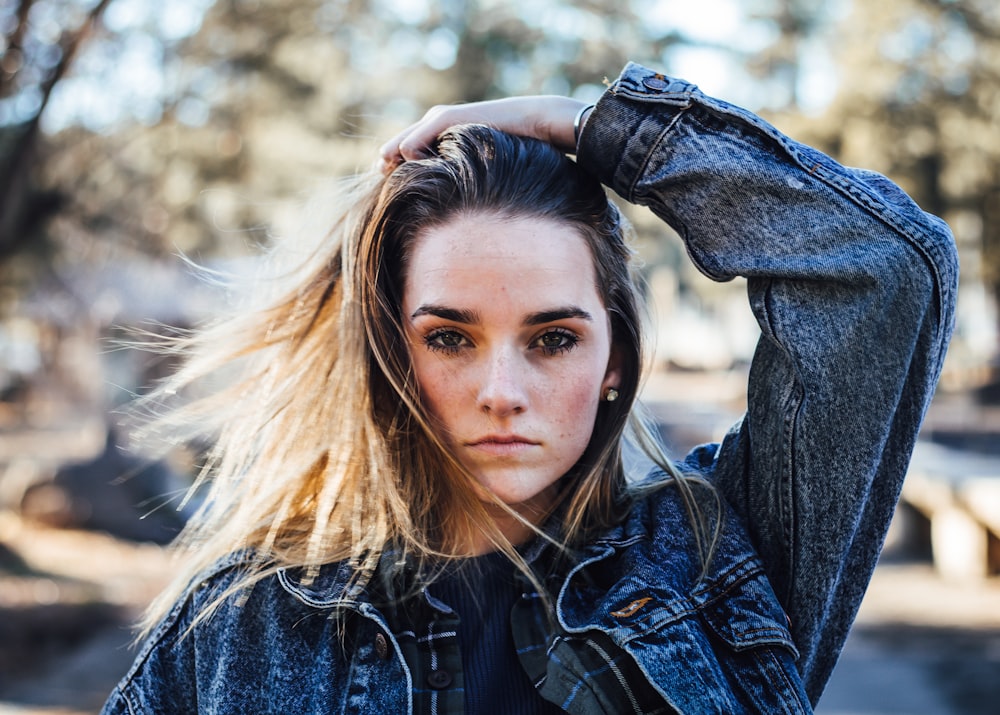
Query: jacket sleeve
{"points": [[853, 287]]}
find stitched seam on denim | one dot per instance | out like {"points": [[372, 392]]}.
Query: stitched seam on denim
{"points": [[373, 615], [917, 239], [128, 702], [654, 147], [621, 544], [791, 407], [296, 591], [852, 187], [788, 509], [734, 576], [780, 634], [665, 612], [759, 656]]}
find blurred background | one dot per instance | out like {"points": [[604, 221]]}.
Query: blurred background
{"points": [[135, 134]]}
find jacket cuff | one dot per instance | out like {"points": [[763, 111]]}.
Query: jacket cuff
{"points": [[627, 122]]}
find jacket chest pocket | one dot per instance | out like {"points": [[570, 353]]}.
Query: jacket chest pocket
{"points": [[748, 632], [731, 653]]}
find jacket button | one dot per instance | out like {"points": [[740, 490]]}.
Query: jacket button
{"points": [[439, 679], [381, 647], [657, 84]]}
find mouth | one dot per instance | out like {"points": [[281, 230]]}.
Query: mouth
{"points": [[502, 445]]}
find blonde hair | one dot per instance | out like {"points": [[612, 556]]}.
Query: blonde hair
{"points": [[321, 450]]}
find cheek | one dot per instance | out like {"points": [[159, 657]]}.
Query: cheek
{"points": [[446, 391], [433, 383], [573, 409]]}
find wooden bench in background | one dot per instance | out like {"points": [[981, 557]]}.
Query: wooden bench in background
{"points": [[958, 492]]}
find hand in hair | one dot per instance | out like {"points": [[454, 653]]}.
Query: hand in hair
{"points": [[546, 117]]}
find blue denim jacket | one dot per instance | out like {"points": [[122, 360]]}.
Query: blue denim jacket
{"points": [[853, 287]]}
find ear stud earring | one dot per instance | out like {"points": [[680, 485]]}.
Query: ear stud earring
{"points": [[610, 395]]}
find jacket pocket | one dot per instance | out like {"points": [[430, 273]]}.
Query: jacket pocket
{"points": [[754, 648], [748, 615]]}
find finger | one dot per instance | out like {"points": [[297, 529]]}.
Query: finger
{"points": [[417, 140], [414, 147], [392, 156], [385, 165], [389, 155], [390, 152]]}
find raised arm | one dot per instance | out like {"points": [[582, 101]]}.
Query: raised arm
{"points": [[853, 287]]}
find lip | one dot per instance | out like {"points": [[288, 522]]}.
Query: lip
{"points": [[502, 445]]}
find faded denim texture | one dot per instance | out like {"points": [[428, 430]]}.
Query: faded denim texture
{"points": [[853, 287]]}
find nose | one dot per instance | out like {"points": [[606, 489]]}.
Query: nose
{"points": [[503, 391]]}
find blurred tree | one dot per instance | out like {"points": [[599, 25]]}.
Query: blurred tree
{"points": [[270, 95], [919, 99], [260, 98], [797, 28], [39, 41]]}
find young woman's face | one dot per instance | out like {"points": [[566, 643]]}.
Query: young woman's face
{"points": [[511, 347]]}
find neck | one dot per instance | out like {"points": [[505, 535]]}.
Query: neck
{"points": [[475, 542]]}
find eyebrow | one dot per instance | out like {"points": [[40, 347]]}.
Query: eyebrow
{"points": [[471, 317], [466, 317], [549, 316]]}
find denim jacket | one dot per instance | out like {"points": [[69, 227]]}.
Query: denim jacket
{"points": [[853, 287]]}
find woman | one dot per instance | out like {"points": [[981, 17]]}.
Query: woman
{"points": [[418, 503]]}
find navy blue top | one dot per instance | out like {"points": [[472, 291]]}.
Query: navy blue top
{"points": [[482, 591]]}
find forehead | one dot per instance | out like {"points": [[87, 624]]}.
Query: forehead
{"points": [[479, 256]]}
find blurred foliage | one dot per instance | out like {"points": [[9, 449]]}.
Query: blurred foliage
{"points": [[39, 43], [257, 99], [919, 100]]}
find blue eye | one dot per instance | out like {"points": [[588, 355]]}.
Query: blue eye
{"points": [[554, 342], [445, 340]]}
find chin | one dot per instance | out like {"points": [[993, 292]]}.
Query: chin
{"points": [[518, 497]]}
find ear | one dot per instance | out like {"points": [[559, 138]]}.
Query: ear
{"points": [[613, 375]]}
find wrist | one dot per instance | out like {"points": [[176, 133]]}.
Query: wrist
{"points": [[554, 119]]}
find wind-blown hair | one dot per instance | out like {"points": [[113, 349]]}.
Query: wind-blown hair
{"points": [[322, 450]]}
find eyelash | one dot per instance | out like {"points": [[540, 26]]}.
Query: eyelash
{"points": [[568, 341], [431, 338]]}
